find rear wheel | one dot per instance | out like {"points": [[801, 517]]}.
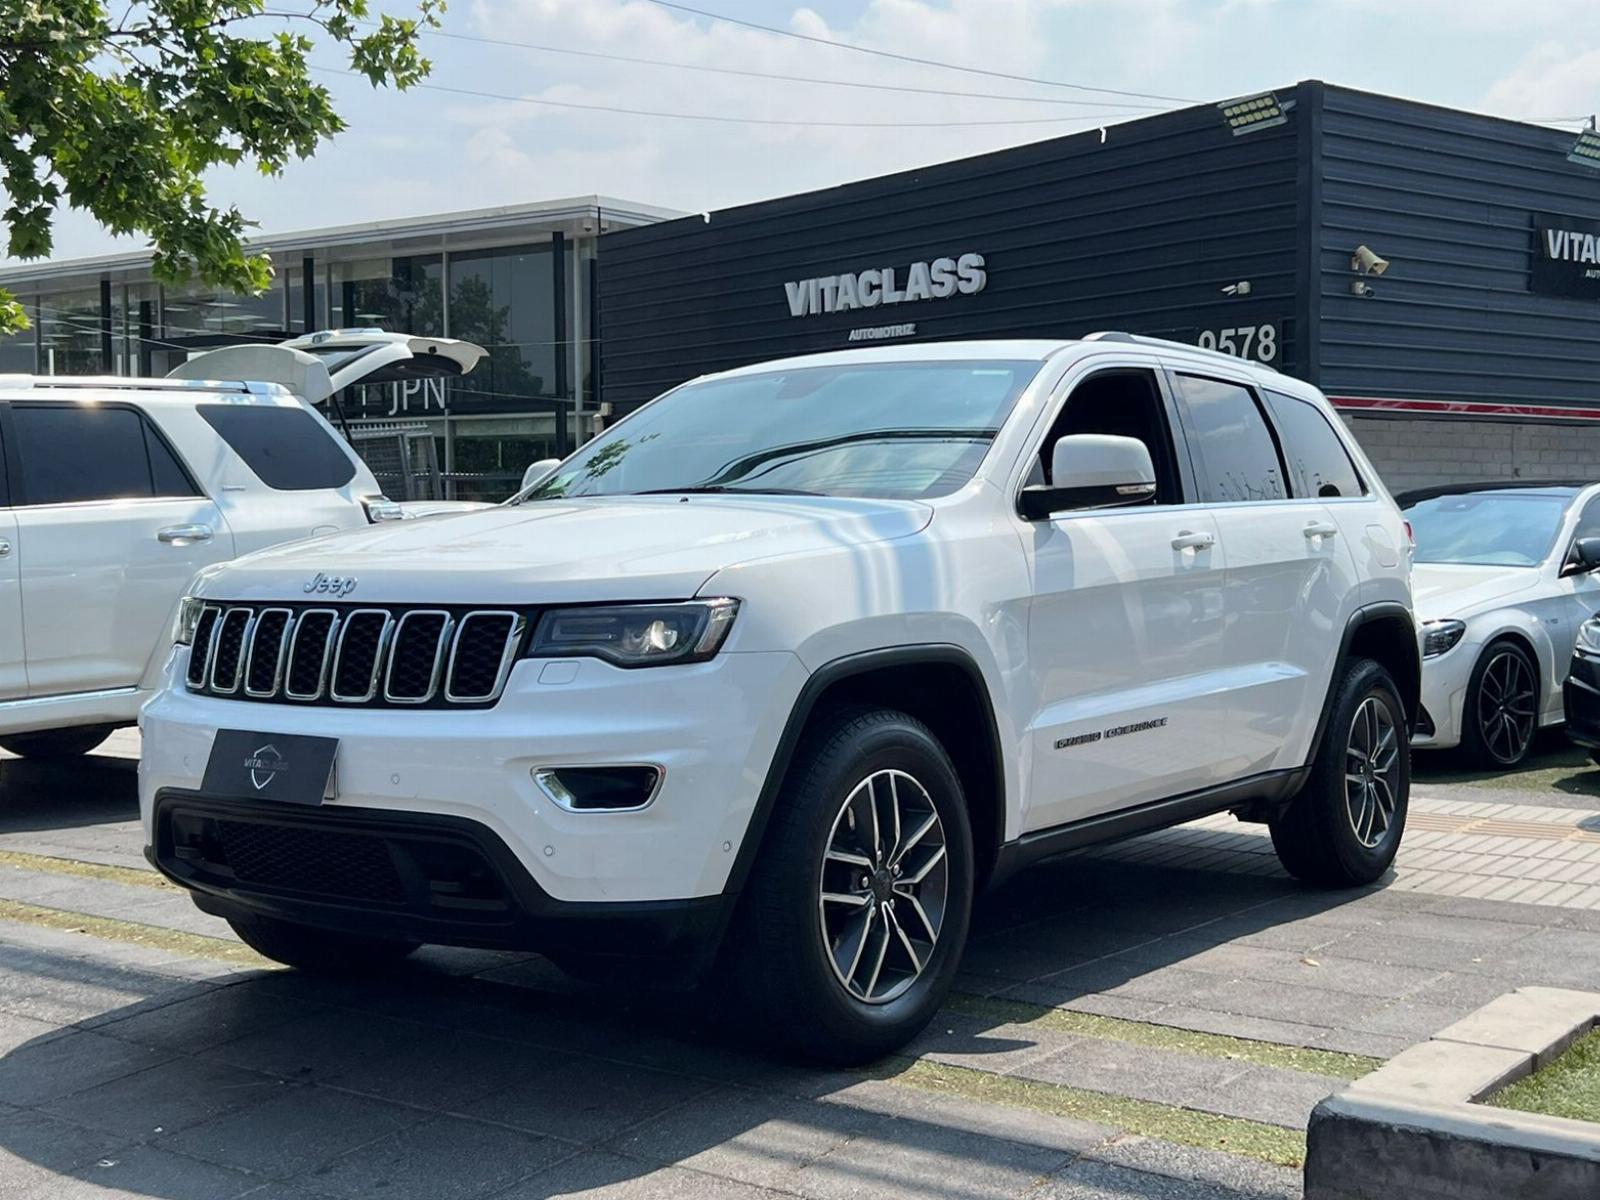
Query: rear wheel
{"points": [[1501, 713], [57, 743], [321, 951], [1344, 827], [854, 921]]}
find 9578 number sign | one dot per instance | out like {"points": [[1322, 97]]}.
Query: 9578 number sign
{"points": [[1256, 342]]}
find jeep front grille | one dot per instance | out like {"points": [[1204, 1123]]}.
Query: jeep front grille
{"points": [[350, 655]]}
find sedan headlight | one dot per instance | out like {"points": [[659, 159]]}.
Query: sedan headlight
{"points": [[187, 620], [1441, 636], [1588, 643], [637, 635]]}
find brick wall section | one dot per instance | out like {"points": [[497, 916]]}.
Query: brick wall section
{"points": [[1418, 453]]}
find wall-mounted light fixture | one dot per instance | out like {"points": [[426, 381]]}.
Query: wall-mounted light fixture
{"points": [[1587, 148], [1250, 113], [1242, 288]]}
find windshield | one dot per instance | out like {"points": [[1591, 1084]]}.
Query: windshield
{"points": [[905, 430], [1493, 528]]}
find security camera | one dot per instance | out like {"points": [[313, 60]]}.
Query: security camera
{"points": [[1360, 287], [1242, 288], [1368, 263]]}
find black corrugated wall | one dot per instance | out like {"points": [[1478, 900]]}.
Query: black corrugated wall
{"points": [[1140, 231], [1448, 198]]}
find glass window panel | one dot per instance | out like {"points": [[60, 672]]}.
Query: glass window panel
{"points": [[1234, 453], [502, 300], [287, 448], [71, 454], [401, 295], [18, 352], [69, 333], [1318, 461]]}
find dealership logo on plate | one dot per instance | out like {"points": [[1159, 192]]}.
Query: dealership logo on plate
{"points": [[265, 765]]}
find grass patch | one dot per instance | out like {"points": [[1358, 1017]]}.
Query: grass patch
{"points": [[1164, 1037], [1568, 1087], [108, 929], [84, 870], [1233, 1135]]}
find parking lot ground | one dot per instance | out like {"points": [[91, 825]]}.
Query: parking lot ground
{"points": [[1152, 1019]]}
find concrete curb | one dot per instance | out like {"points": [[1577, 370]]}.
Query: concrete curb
{"points": [[1411, 1128]]}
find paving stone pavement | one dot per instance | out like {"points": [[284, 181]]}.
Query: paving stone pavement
{"points": [[163, 1069]]}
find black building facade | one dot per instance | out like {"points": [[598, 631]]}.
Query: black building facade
{"points": [[1464, 346]]}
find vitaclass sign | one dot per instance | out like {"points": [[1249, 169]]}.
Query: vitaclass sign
{"points": [[939, 279], [1566, 256]]}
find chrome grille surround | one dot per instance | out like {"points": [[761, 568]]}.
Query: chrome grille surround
{"points": [[508, 654], [373, 656]]}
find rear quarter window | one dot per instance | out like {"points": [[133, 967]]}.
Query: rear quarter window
{"points": [[1319, 465], [287, 448]]}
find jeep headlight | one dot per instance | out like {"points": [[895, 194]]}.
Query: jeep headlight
{"points": [[1588, 643], [1441, 636], [187, 620], [636, 635]]}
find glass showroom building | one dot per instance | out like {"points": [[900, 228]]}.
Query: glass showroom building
{"points": [[519, 281]]}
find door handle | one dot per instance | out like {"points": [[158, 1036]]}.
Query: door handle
{"points": [[184, 534], [5, 548], [1321, 529], [1188, 540]]}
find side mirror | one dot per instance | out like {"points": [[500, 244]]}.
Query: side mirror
{"points": [[1585, 557], [538, 471], [1092, 470]]}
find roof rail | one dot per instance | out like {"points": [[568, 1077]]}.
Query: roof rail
{"points": [[124, 383], [1117, 335]]}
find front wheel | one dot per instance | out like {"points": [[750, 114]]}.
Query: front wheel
{"points": [[1343, 829], [1501, 713], [853, 924], [320, 951]]}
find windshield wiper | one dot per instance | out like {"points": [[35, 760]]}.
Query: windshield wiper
{"points": [[742, 467], [703, 488]]}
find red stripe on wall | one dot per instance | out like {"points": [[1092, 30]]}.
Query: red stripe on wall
{"points": [[1466, 408]]}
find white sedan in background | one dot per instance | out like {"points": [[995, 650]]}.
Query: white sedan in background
{"points": [[1505, 574]]}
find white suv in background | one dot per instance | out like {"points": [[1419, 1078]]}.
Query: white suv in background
{"points": [[114, 492], [774, 674]]}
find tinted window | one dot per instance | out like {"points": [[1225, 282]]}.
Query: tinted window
{"points": [[1234, 454], [1319, 465], [1588, 520], [1489, 528], [71, 454], [287, 448], [904, 430]]}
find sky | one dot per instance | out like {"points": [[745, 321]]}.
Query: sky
{"points": [[431, 150]]}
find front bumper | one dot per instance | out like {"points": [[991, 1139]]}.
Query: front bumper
{"points": [[1581, 701], [713, 727], [1444, 692], [408, 876]]}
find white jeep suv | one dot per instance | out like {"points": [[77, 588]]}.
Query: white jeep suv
{"points": [[113, 492], [777, 672]]}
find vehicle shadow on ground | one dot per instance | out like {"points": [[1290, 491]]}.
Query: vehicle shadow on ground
{"points": [[1555, 764], [463, 1072], [41, 794]]}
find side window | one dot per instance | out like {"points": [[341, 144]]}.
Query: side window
{"points": [[287, 448], [1319, 465], [1235, 457], [75, 453], [1588, 521], [1125, 403]]}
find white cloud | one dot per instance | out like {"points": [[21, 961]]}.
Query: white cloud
{"points": [[1552, 80]]}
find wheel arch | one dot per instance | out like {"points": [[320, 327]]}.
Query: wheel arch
{"points": [[1385, 632], [939, 684]]}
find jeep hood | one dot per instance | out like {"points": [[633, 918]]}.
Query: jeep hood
{"points": [[562, 551], [1441, 590]]}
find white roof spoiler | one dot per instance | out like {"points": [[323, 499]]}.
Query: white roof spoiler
{"points": [[304, 374]]}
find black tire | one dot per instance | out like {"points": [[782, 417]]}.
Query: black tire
{"points": [[1498, 732], [57, 743], [779, 956], [1329, 835], [320, 951]]}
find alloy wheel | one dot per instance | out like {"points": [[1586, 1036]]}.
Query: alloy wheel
{"points": [[1506, 706], [1372, 771], [884, 886]]}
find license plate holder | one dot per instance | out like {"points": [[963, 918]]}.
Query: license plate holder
{"points": [[289, 768]]}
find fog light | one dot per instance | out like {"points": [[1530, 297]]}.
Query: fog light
{"points": [[599, 789]]}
